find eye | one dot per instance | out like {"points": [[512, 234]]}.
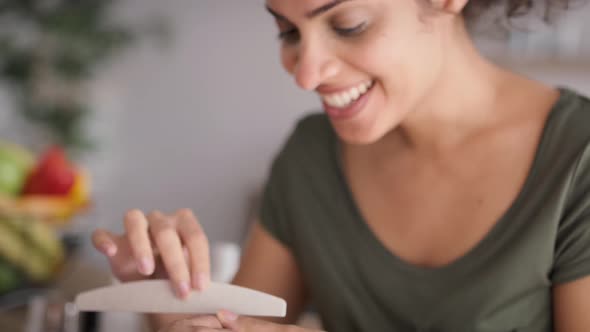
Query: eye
{"points": [[289, 36], [348, 32]]}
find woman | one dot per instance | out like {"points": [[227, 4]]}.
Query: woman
{"points": [[437, 192]]}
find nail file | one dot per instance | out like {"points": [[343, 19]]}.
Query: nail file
{"points": [[157, 296]]}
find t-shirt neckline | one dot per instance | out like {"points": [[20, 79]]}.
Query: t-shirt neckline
{"points": [[467, 259]]}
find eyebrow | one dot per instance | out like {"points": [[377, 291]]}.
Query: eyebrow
{"points": [[311, 14]]}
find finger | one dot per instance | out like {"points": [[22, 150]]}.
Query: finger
{"points": [[235, 323], [104, 241], [195, 240], [205, 321], [186, 325], [164, 233], [231, 321], [136, 227], [197, 324]]}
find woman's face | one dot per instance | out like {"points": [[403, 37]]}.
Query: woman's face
{"points": [[371, 61]]}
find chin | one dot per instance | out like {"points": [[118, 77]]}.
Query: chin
{"points": [[358, 134]]}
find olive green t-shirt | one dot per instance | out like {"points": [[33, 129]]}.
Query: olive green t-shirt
{"points": [[502, 284]]}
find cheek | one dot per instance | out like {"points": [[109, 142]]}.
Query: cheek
{"points": [[381, 57], [402, 62], [288, 59]]}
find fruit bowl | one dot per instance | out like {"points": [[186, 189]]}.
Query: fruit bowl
{"points": [[16, 288], [39, 199], [55, 211], [50, 188]]}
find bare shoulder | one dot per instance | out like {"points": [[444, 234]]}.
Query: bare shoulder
{"points": [[530, 102], [527, 107]]}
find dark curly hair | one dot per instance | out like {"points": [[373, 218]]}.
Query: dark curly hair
{"points": [[515, 8]]}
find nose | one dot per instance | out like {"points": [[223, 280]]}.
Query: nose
{"points": [[314, 65]]}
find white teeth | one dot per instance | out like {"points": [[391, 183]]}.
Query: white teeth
{"points": [[355, 93], [363, 89], [344, 99]]}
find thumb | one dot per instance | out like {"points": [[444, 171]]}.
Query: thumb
{"points": [[235, 323], [229, 320]]}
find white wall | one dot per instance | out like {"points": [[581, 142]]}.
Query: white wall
{"points": [[196, 125]]}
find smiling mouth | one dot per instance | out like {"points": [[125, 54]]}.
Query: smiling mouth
{"points": [[346, 98]]}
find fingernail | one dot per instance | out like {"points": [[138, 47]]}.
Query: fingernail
{"points": [[183, 289], [110, 250], [229, 316], [202, 281], [146, 265]]}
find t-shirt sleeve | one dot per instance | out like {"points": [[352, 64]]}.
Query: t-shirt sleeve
{"points": [[278, 193], [572, 249], [272, 214]]}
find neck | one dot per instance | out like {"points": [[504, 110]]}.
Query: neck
{"points": [[460, 102]]}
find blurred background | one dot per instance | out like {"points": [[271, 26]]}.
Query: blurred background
{"points": [[112, 105]]}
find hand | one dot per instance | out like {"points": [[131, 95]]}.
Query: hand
{"points": [[229, 322], [158, 245]]}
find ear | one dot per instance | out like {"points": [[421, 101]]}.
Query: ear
{"points": [[450, 6]]}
